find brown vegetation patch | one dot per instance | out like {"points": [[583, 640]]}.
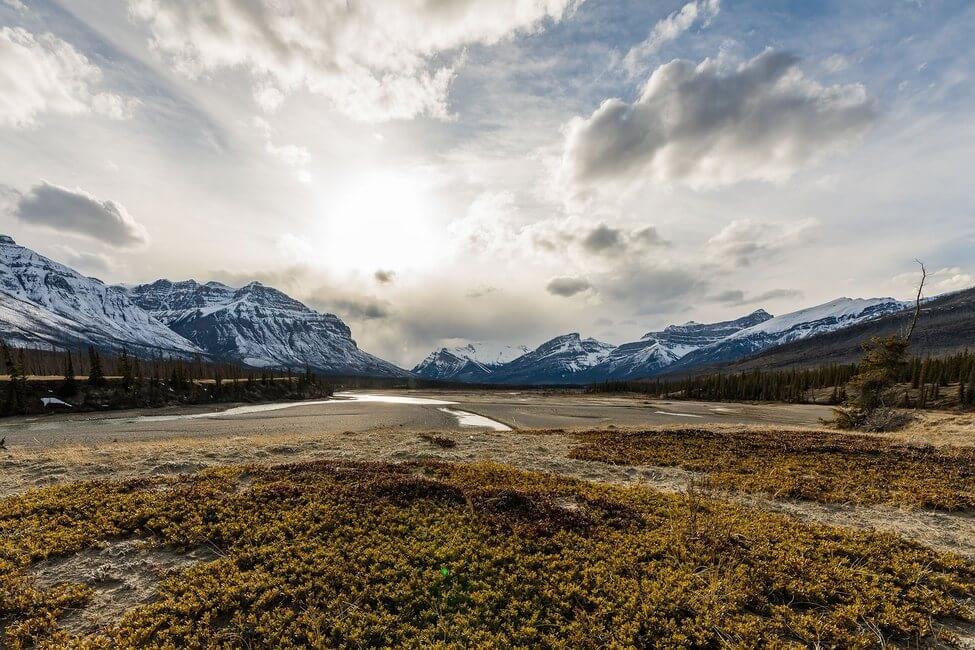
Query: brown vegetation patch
{"points": [[440, 441], [820, 466], [423, 554]]}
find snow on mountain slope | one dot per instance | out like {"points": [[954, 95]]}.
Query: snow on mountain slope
{"points": [[563, 359], [805, 323], [474, 362], [658, 350], [258, 326], [43, 302]]}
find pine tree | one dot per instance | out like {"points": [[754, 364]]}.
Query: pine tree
{"points": [[70, 386], [14, 401], [95, 375], [125, 369]]}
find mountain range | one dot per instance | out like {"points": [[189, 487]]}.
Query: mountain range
{"points": [[469, 363], [570, 359], [44, 303]]}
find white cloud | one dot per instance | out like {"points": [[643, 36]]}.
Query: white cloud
{"points": [[79, 212], [374, 59], [744, 241], [711, 124], [489, 224], [941, 281], [84, 261], [669, 29], [43, 74], [291, 155]]}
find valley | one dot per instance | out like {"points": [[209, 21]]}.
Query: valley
{"points": [[389, 410]]}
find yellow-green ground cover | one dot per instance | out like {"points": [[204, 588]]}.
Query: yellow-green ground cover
{"points": [[823, 466], [425, 554]]}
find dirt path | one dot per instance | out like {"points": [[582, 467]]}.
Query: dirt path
{"points": [[23, 469]]}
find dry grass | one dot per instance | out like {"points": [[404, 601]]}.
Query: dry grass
{"points": [[824, 466], [940, 428], [360, 554]]}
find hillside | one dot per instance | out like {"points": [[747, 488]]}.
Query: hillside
{"points": [[947, 325]]}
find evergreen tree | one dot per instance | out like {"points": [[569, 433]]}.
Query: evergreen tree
{"points": [[14, 400], [96, 377], [70, 386], [125, 369]]}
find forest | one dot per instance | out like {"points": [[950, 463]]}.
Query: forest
{"points": [[929, 382]]}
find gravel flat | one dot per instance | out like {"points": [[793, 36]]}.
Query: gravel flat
{"points": [[518, 410]]}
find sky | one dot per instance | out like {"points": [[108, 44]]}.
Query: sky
{"points": [[443, 171]]}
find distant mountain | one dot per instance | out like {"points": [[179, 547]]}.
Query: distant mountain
{"points": [[659, 350], [947, 325], [560, 361], [803, 324], [45, 303], [474, 362], [258, 326], [677, 349]]}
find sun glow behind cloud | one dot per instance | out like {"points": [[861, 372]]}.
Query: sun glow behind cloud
{"points": [[381, 219]]}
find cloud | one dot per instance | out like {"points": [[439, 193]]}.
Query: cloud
{"points": [[737, 297], [43, 74], [557, 236], [669, 29], [567, 287], [384, 277], [943, 280], [79, 212], [603, 238], [710, 125], [84, 261], [480, 292], [294, 156], [353, 308], [373, 60], [744, 241], [652, 287]]}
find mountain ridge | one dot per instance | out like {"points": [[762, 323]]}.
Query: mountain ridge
{"points": [[46, 303]]}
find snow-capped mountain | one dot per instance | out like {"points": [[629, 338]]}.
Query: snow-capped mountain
{"points": [[45, 303], [474, 362], [658, 350], [805, 323], [570, 359], [258, 326], [561, 360]]}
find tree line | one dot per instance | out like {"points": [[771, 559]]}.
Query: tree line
{"points": [[93, 378], [923, 381]]}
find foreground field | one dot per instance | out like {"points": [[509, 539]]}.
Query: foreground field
{"points": [[421, 554]]}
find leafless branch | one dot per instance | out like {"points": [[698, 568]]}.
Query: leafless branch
{"points": [[917, 301]]}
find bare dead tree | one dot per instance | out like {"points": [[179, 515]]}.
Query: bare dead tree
{"points": [[917, 301]]}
